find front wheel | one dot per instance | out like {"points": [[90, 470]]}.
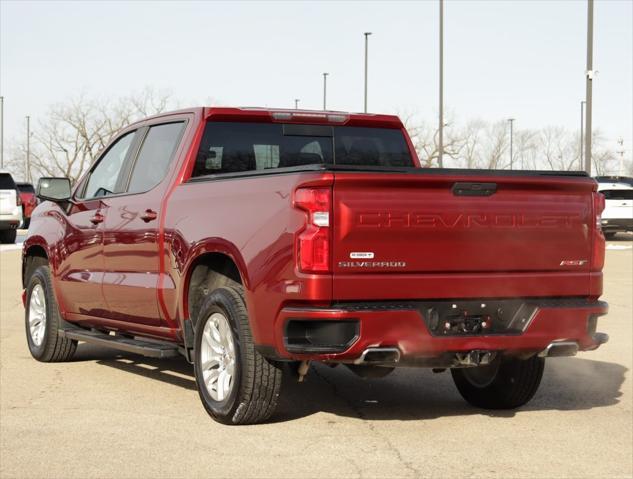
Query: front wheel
{"points": [[506, 383], [43, 320], [236, 384]]}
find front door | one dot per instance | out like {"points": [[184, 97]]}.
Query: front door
{"points": [[81, 268]]}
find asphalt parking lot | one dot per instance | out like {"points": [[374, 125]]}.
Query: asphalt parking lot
{"points": [[108, 414]]}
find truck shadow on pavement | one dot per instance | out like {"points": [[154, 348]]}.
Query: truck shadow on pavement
{"points": [[568, 384]]}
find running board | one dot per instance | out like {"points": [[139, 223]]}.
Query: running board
{"points": [[152, 349]]}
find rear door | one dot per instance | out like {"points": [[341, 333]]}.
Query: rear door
{"points": [[132, 228]]}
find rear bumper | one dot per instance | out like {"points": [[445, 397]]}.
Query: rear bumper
{"points": [[617, 224], [9, 222], [403, 327]]}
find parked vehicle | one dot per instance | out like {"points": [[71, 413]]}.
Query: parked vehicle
{"points": [[627, 180], [617, 216], [29, 202], [10, 208], [244, 239]]}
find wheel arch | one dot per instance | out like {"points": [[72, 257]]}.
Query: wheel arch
{"points": [[210, 268], [32, 250]]}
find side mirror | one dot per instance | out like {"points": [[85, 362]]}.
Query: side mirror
{"points": [[56, 190]]}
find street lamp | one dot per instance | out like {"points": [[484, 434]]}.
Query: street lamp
{"points": [[1, 132], [366, 60], [28, 149], [588, 91], [296, 103], [582, 136], [441, 127], [325, 90], [511, 121]]}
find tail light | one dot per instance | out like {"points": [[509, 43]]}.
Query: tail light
{"points": [[313, 242], [597, 256]]}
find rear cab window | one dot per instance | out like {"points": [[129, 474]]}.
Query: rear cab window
{"points": [[26, 188], [232, 147], [6, 182], [623, 194]]}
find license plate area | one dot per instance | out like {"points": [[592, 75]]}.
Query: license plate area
{"points": [[475, 318]]}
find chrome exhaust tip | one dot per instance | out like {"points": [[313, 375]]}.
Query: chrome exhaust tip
{"points": [[379, 356], [559, 349]]}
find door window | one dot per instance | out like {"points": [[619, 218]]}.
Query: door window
{"points": [[103, 178], [155, 156]]}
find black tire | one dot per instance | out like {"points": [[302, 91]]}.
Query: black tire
{"points": [[256, 382], [610, 236], [8, 236], [53, 347], [507, 383], [26, 223]]}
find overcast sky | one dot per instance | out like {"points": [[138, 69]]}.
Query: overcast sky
{"points": [[502, 58]]}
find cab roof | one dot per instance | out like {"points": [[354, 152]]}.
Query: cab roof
{"points": [[282, 115]]}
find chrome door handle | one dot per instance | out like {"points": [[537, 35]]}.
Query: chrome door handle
{"points": [[97, 218], [149, 215]]}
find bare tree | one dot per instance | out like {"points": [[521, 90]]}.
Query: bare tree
{"points": [[426, 142], [604, 159], [72, 134]]}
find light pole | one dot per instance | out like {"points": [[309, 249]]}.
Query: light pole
{"points": [[582, 136], [441, 126], [366, 60], [296, 103], [325, 90], [1, 132], [28, 149], [590, 73], [511, 121]]}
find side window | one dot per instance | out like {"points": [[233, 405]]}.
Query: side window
{"points": [[155, 156], [103, 179]]}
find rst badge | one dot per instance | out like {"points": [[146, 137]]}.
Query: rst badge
{"points": [[573, 262]]}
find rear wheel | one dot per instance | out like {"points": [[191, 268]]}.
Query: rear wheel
{"points": [[43, 320], [610, 236], [506, 383], [8, 236], [236, 384]]}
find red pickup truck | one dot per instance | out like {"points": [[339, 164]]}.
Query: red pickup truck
{"points": [[246, 239]]}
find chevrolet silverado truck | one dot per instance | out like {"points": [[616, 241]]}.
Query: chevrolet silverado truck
{"points": [[247, 239]]}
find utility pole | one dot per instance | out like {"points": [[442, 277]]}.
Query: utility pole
{"points": [[441, 127], [296, 103], [511, 121], [589, 80], [27, 173], [582, 133], [621, 153], [1, 132], [325, 90], [366, 60]]}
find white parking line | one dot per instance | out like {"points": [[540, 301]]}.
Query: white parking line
{"points": [[10, 247]]}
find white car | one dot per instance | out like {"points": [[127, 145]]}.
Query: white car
{"points": [[617, 216], [10, 208]]}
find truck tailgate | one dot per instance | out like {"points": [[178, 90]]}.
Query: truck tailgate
{"points": [[446, 223]]}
